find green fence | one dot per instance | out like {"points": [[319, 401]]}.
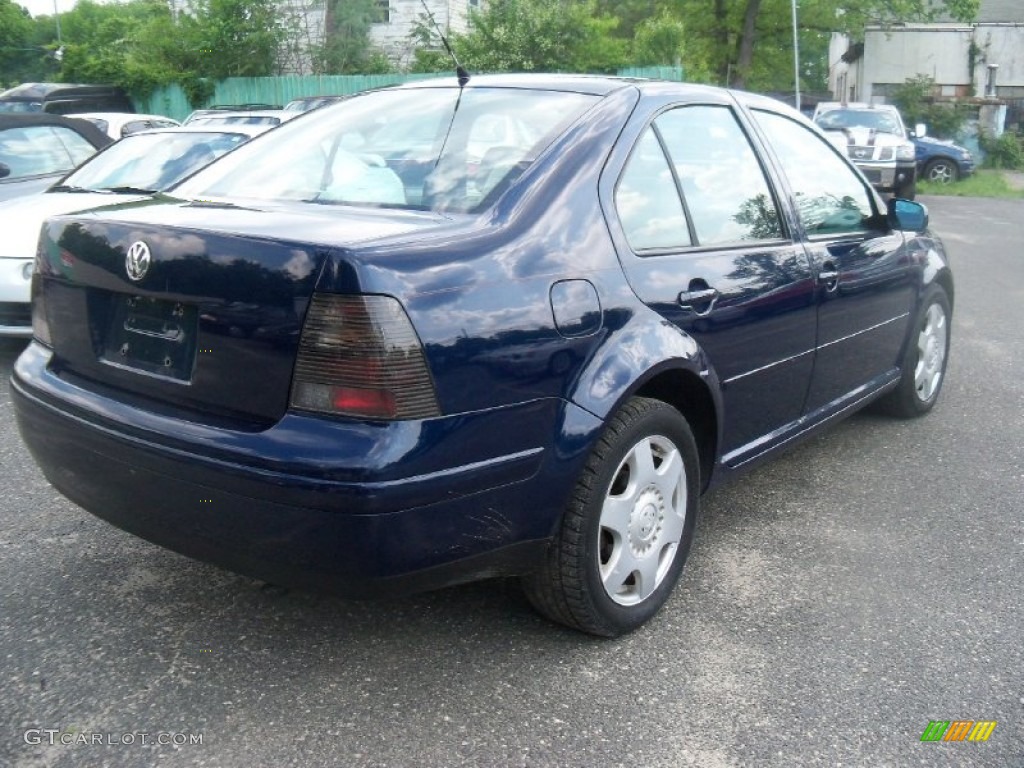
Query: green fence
{"points": [[171, 100]]}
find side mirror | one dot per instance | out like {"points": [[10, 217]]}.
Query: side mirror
{"points": [[907, 215], [920, 131], [5, 171]]}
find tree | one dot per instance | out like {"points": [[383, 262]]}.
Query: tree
{"points": [[233, 38], [21, 57], [738, 38], [140, 45], [346, 48], [534, 36], [659, 41], [117, 44], [916, 103]]}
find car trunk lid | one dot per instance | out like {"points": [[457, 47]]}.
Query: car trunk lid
{"points": [[191, 309]]}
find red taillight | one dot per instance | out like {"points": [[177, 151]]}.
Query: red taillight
{"points": [[369, 401], [360, 356]]}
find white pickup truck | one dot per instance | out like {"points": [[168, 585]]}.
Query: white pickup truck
{"points": [[876, 141]]}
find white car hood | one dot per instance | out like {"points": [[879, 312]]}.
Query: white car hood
{"points": [[862, 138], [22, 218]]}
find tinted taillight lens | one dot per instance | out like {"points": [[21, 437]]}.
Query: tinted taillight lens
{"points": [[360, 356], [40, 324]]}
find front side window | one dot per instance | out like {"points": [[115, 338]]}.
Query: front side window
{"points": [[829, 195], [724, 186], [41, 149], [21, 106], [422, 148]]}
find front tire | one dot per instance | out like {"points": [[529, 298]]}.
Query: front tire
{"points": [[941, 171], [924, 364], [907, 190], [628, 527]]}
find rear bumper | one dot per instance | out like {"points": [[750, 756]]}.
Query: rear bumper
{"points": [[353, 531]]}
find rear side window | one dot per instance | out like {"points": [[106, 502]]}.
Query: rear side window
{"points": [[648, 202], [724, 186], [829, 195], [40, 149]]}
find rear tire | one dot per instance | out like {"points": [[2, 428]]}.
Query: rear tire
{"points": [[924, 363], [628, 527]]}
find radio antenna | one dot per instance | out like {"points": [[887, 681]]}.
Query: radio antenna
{"points": [[460, 71]]}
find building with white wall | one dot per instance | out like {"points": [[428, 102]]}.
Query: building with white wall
{"points": [[398, 20], [984, 58], [392, 31]]}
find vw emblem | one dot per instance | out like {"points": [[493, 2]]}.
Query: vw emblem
{"points": [[136, 261]]}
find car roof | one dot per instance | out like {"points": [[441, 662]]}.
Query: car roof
{"points": [[322, 96], [598, 85], [238, 128], [243, 113], [39, 91], [90, 132], [127, 116]]}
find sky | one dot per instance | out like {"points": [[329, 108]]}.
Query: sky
{"points": [[45, 7]]}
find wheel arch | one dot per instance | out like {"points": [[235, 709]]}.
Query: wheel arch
{"points": [[944, 279], [663, 363], [689, 394]]}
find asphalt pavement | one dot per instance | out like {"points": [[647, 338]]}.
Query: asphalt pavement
{"points": [[836, 601]]}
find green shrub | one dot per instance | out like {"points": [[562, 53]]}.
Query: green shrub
{"points": [[917, 105], [1004, 152]]}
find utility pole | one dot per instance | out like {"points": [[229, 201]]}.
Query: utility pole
{"points": [[56, 16], [796, 59]]}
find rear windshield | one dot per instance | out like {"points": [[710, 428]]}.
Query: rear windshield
{"points": [[153, 160], [426, 148]]}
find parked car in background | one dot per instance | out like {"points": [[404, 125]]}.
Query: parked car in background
{"points": [[320, 364], [65, 98], [36, 149], [307, 103], [267, 117], [875, 139], [120, 124], [220, 108], [941, 161], [128, 171]]}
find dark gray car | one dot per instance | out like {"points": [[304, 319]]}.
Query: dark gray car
{"points": [[37, 149]]}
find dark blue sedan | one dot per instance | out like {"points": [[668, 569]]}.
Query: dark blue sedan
{"points": [[941, 161], [436, 334]]}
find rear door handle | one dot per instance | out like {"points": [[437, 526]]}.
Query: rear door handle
{"points": [[829, 276], [700, 301]]}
